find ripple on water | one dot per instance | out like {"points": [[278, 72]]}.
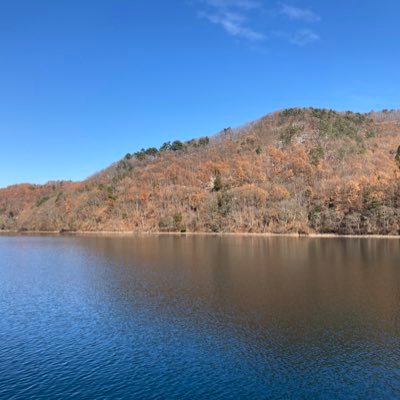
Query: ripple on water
{"points": [[199, 318]]}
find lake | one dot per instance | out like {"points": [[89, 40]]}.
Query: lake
{"points": [[199, 317]]}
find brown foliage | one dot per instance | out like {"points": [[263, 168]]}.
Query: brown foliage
{"points": [[300, 170]]}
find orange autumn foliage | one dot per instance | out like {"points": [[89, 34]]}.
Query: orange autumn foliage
{"points": [[297, 170]]}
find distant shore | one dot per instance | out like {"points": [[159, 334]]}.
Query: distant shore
{"points": [[245, 234]]}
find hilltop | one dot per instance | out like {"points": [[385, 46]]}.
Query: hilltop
{"points": [[296, 170]]}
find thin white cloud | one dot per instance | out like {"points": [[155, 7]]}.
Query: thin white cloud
{"points": [[301, 14], [301, 37], [239, 4], [233, 16], [237, 18], [234, 24], [304, 37]]}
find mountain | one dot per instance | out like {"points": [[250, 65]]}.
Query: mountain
{"points": [[293, 171]]}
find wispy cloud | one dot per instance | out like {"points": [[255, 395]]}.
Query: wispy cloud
{"points": [[301, 14], [233, 16], [239, 4], [301, 37], [242, 19], [234, 24]]}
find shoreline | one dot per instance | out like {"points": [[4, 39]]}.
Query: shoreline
{"points": [[221, 234]]}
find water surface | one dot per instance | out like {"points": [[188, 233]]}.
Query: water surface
{"points": [[199, 317]]}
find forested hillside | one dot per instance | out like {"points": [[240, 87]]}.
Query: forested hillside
{"points": [[297, 170]]}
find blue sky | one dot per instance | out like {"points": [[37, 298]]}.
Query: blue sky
{"points": [[82, 82]]}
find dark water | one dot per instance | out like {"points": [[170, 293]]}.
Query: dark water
{"points": [[199, 318]]}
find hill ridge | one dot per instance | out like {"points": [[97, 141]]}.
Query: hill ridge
{"points": [[304, 170]]}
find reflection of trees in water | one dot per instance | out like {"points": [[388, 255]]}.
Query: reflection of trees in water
{"points": [[274, 308], [241, 279]]}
